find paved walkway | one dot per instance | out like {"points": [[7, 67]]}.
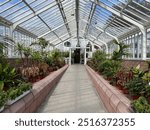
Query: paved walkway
{"points": [[74, 94]]}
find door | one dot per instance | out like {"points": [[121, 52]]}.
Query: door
{"points": [[77, 56]]}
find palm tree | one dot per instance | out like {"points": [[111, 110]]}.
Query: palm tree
{"points": [[2, 55], [42, 43], [27, 52], [19, 49]]}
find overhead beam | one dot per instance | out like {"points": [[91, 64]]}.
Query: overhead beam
{"points": [[55, 29], [105, 44], [93, 7], [6, 1], [94, 42], [115, 17], [62, 37], [77, 19], [102, 30], [9, 24], [61, 9], [62, 41], [24, 19], [40, 18], [119, 14]]}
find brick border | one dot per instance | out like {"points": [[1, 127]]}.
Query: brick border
{"points": [[113, 99], [40, 90]]}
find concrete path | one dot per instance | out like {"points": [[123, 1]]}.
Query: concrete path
{"points": [[73, 94]]}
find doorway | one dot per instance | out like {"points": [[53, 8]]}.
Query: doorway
{"points": [[77, 56]]}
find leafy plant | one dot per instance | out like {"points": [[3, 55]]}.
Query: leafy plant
{"points": [[43, 68], [146, 77], [1, 85], [19, 49], [65, 54], [27, 51], [57, 59], [97, 58], [117, 55], [36, 57], [147, 90], [141, 105], [8, 76], [3, 98], [42, 43], [24, 86], [2, 55], [48, 59], [109, 67], [135, 86], [14, 92], [148, 62], [137, 72]]}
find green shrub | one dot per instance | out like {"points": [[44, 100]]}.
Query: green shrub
{"points": [[135, 86], [97, 58], [3, 98], [141, 105], [14, 92], [109, 67]]}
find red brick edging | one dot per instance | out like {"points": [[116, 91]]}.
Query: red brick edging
{"points": [[113, 100], [40, 90]]}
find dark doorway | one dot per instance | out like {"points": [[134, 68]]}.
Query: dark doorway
{"points": [[77, 56]]}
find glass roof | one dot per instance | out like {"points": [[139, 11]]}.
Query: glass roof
{"points": [[59, 20]]}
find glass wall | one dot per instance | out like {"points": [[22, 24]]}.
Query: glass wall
{"points": [[10, 40], [135, 45], [148, 43]]}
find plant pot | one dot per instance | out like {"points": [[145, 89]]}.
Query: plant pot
{"points": [[10, 102], [2, 108]]}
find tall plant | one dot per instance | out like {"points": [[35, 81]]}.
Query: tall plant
{"points": [[19, 49], [36, 57], [42, 43], [97, 58], [2, 55], [27, 52], [117, 54]]}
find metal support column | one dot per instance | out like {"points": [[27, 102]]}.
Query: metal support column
{"points": [[144, 43], [70, 56], [85, 56]]}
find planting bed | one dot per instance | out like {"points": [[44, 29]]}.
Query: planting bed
{"points": [[112, 98], [39, 91]]}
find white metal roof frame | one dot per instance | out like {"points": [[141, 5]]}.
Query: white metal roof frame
{"points": [[96, 18]]}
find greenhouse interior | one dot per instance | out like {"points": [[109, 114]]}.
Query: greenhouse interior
{"points": [[75, 56]]}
